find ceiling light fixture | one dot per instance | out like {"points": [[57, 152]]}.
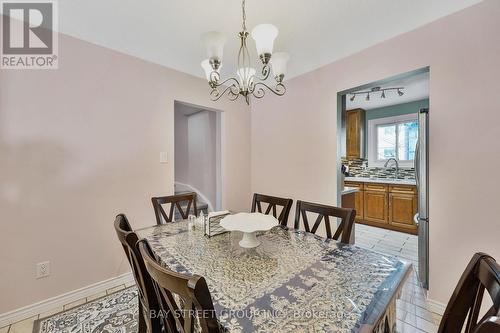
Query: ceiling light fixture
{"points": [[246, 83], [376, 89]]}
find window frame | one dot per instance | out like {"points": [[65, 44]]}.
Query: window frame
{"points": [[373, 138]]}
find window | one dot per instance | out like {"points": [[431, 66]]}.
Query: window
{"points": [[392, 137]]}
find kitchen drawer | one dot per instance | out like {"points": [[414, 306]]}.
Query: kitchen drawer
{"points": [[375, 187], [406, 189], [354, 184]]}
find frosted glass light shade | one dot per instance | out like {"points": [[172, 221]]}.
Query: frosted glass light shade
{"points": [[214, 42], [245, 75], [279, 61], [264, 36]]}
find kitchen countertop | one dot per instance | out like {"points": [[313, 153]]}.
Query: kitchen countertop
{"points": [[381, 181], [349, 190]]}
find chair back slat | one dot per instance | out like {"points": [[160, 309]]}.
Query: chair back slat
{"points": [[481, 275], [147, 297], [176, 202], [343, 230], [272, 206], [194, 305]]}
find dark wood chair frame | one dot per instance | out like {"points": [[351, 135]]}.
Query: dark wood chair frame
{"points": [[196, 300], [148, 302], [324, 212], [482, 273], [273, 203], [175, 201]]}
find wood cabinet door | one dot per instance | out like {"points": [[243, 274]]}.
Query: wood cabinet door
{"points": [[359, 206], [402, 208], [358, 199], [375, 206], [354, 133]]}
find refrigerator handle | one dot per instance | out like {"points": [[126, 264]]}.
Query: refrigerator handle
{"points": [[416, 162]]}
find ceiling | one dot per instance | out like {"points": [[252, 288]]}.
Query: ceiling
{"points": [[416, 87], [314, 32], [187, 109]]}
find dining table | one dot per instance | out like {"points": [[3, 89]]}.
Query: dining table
{"points": [[294, 281]]}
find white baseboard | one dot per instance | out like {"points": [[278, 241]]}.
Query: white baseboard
{"points": [[436, 307], [14, 316]]}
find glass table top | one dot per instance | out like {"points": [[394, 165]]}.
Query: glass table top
{"points": [[294, 281]]}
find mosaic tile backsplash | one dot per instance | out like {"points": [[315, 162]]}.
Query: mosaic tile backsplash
{"points": [[359, 168]]}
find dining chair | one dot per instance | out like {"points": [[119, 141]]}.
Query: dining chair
{"points": [[273, 203], [324, 212], [482, 273], [185, 296], [148, 302], [176, 202]]}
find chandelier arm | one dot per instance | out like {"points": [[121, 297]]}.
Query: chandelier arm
{"points": [[232, 90], [214, 77], [265, 74], [259, 91], [235, 82]]}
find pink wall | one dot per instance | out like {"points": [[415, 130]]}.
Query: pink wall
{"points": [[79, 145], [294, 138]]}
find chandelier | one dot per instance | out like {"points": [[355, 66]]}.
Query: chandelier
{"points": [[246, 83]]}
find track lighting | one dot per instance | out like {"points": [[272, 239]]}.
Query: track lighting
{"points": [[376, 89]]}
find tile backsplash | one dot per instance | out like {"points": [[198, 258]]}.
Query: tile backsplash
{"points": [[358, 167]]}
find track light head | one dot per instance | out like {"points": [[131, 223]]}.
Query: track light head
{"points": [[400, 93], [383, 94], [352, 98], [368, 96]]}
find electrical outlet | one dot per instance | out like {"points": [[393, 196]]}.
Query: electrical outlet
{"points": [[42, 269]]}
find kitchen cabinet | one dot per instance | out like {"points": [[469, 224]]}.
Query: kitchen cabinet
{"points": [[355, 131], [375, 205], [358, 200], [402, 208], [386, 206]]}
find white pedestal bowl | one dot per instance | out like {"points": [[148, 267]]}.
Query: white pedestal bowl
{"points": [[249, 224]]}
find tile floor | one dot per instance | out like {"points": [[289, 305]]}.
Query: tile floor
{"points": [[413, 313]]}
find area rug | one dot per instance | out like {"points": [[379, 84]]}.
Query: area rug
{"points": [[114, 313]]}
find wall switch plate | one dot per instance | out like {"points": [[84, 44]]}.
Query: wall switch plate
{"points": [[42, 269], [163, 157]]}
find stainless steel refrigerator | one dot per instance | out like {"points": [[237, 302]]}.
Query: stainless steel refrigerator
{"points": [[422, 180]]}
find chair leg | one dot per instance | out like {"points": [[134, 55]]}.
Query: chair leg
{"points": [[142, 322], [157, 326]]}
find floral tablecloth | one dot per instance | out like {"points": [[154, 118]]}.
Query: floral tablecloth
{"points": [[293, 282]]}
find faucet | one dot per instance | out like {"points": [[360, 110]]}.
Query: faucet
{"points": [[397, 166]]}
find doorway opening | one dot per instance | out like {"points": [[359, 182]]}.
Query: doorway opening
{"points": [[197, 154], [382, 157]]}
